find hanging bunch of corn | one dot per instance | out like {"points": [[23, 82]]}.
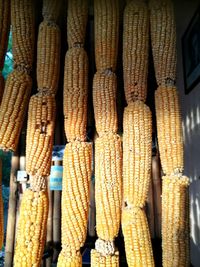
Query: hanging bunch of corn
{"points": [[137, 136], [175, 230], [4, 33], [108, 147], [78, 153], [31, 235], [18, 85]]}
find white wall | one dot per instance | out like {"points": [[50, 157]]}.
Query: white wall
{"points": [[190, 105]]}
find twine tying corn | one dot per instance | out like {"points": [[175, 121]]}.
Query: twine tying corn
{"points": [[75, 194], [31, 229], [170, 139], [108, 185], [106, 26], [13, 108], [98, 260], [105, 247], [163, 40], [104, 101], [40, 134], [175, 221], [76, 22], [137, 238], [51, 10], [48, 56], [137, 145], [23, 32], [38, 183], [4, 29], [75, 94], [135, 50]]}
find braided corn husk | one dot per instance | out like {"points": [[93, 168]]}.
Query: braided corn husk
{"points": [[75, 194], [13, 108], [104, 101], [170, 139], [23, 33], [98, 260], [67, 259], [137, 147], [137, 238], [175, 221], [1, 209], [75, 94], [31, 229], [4, 29], [77, 16], [1, 86], [40, 134], [51, 10], [108, 185], [135, 50], [106, 26], [163, 41], [48, 56]]}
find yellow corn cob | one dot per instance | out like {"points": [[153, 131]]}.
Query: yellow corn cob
{"points": [[31, 229], [104, 101], [175, 221], [98, 260], [108, 185], [1, 209], [75, 194], [106, 23], [1, 87], [169, 129], [76, 22], [137, 238], [13, 108], [135, 50], [163, 41], [23, 32], [4, 28], [75, 94], [48, 56], [137, 146], [51, 10], [67, 259], [40, 134]]}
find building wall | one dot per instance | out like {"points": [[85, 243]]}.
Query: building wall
{"points": [[190, 105]]}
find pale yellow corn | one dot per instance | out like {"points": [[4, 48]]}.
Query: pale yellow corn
{"points": [[98, 260], [69, 259]]}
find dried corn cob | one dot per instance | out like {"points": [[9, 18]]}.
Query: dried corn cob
{"points": [[22, 20], [4, 28], [1, 210], [104, 101], [135, 50], [137, 238], [108, 185], [51, 10], [137, 144], [67, 259], [169, 129], [76, 22], [75, 194], [163, 41], [175, 221], [13, 108], [75, 94], [40, 134], [48, 56], [106, 22], [1, 87], [31, 230], [98, 260]]}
